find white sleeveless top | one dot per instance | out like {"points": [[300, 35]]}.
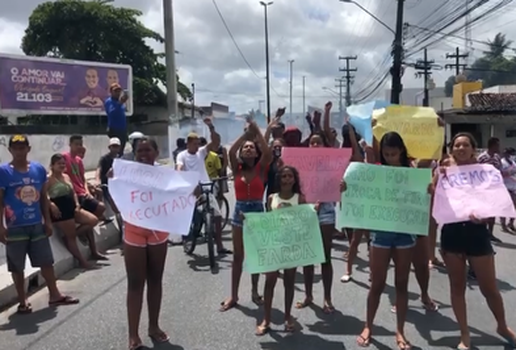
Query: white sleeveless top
{"points": [[278, 203]]}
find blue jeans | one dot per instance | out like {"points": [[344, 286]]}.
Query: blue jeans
{"points": [[388, 240], [245, 207], [326, 214]]}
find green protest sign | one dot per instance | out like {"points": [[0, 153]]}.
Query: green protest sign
{"points": [[282, 239], [386, 198]]}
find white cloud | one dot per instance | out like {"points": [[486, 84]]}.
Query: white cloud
{"points": [[312, 32]]}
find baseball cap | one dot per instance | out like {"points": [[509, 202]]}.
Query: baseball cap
{"points": [[114, 141], [18, 140], [115, 86]]}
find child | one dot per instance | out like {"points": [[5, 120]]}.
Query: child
{"points": [[387, 245], [288, 193]]}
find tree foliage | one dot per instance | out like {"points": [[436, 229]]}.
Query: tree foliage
{"points": [[98, 31], [493, 68]]}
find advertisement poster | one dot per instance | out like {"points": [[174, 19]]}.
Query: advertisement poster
{"points": [[40, 85]]}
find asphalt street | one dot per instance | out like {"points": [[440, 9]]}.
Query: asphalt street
{"points": [[192, 295]]}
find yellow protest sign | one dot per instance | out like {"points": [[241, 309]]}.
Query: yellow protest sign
{"points": [[418, 126]]}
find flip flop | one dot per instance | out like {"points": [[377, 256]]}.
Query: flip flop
{"points": [[432, 306], [363, 342], [290, 327], [225, 306], [136, 347], [345, 278], [262, 330], [159, 338], [303, 304], [509, 340], [257, 299], [24, 309], [462, 348], [403, 345], [64, 300], [328, 309]]}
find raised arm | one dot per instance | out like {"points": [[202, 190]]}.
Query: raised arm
{"points": [[356, 156], [214, 143], [326, 123], [232, 154], [279, 113], [266, 158]]}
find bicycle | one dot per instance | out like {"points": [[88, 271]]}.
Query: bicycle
{"points": [[203, 214]]}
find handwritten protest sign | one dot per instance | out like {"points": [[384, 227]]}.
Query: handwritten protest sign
{"points": [[153, 197], [320, 169], [282, 239], [471, 190], [417, 126], [386, 198], [360, 117]]}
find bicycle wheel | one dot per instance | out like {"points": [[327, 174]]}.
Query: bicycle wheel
{"points": [[190, 241], [210, 232], [224, 211]]}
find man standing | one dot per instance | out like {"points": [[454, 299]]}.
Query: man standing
{"points": [[105, 164], [193, 159], [116, 118], [492, 156], [25, 204]]}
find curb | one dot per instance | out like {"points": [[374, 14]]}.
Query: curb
{"points": [[106, 238]]}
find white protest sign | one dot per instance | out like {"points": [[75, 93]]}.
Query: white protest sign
{"points": [[152, 197]]}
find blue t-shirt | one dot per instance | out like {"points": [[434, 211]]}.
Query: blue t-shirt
{"points": [[22, 192], [115, 114]]}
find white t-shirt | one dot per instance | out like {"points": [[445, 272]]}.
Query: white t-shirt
{"points": [[509, 167], [194, 162]]}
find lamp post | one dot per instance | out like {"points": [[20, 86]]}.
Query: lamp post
{"points": [[397, 49], [170, 60], [291, 64], [267, 65]]}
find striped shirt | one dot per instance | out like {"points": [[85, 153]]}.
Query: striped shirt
{"points": [[494, 160]]}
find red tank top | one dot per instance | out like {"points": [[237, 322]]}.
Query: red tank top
{"points": [[252, 191]]}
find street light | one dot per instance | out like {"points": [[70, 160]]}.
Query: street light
{"points": [[370, 14], [267, 74]]}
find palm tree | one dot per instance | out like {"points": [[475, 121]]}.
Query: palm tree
{"points": [[497, 46]]}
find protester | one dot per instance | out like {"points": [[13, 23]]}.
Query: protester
{"points": [[470, 241], [508, 167], [193, 159], [133, 139], [222, 153], [212, 163], [249, 157], [103, 167], [286, 194], [180, 147], [116, 118], [145, 252], [66, 212], [25, 223]]}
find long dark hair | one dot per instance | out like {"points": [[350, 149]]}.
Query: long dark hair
{"points": [[394, 140], [244, 165], [296, 187]]}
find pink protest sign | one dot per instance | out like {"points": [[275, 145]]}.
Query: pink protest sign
{"points": [[321, 171], [466, 190]]}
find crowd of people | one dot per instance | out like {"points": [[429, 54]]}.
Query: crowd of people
{"points": [[33, 200]]}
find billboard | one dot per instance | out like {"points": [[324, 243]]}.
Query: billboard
{"points": [[40, 85]]}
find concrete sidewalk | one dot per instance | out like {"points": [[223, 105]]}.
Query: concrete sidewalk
{"points": [[106, 237]]}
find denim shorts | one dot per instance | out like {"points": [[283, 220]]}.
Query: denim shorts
{"points": [[388, 240], [245, 207], [326, 214], [28, 241]]}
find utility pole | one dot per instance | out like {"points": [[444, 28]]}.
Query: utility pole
{"points": [[348, 76], [267, 64], [170, 61], [340, 85], [193, 100], [397, 54], [304, 95], [291, 64], [424, 69], [457, 65]]}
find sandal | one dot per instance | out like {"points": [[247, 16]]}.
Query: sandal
{"points": [[262, 330], [328, 308], [363, 342], [302, 304], [257, 299], [290, 326], [24, 309], [227, 305], [404, 345], [138, 346], [430, 306], [346, 278], [159, 337], [64, 300]]}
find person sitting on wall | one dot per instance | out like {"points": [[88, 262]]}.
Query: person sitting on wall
{"points": [[116, 118], [75, 170]]}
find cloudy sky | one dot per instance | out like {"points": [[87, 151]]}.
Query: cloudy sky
{"points": [[313, 33]]}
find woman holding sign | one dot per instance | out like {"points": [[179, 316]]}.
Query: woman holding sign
{"points": [[145, 252], [386, 246], [249, 161], [470, 241]]}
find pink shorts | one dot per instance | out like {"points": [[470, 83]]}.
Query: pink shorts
{"points": [[141, 237]]}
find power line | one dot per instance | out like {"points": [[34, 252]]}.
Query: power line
{"points": [[348, 77], [233, 39], [457, 65]]}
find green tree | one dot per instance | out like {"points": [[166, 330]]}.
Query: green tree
{"points": [[493, 68], [98, 31]]}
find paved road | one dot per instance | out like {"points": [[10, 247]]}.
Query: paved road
{"points": [[192, 297]]}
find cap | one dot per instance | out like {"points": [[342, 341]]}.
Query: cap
{"points": [[115, 86], [135, 136], [114, 141], [18, 140]]}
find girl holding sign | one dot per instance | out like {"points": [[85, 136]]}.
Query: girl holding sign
{"points": [[386, 246], [287, 194], [470, 241], [249, 161]]}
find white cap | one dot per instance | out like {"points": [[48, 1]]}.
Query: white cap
{"points": [[135, 136], [114, 141]]}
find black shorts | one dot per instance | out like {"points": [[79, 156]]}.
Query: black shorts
{"points": [[66, 205], [89, 203], [466, 238]]}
